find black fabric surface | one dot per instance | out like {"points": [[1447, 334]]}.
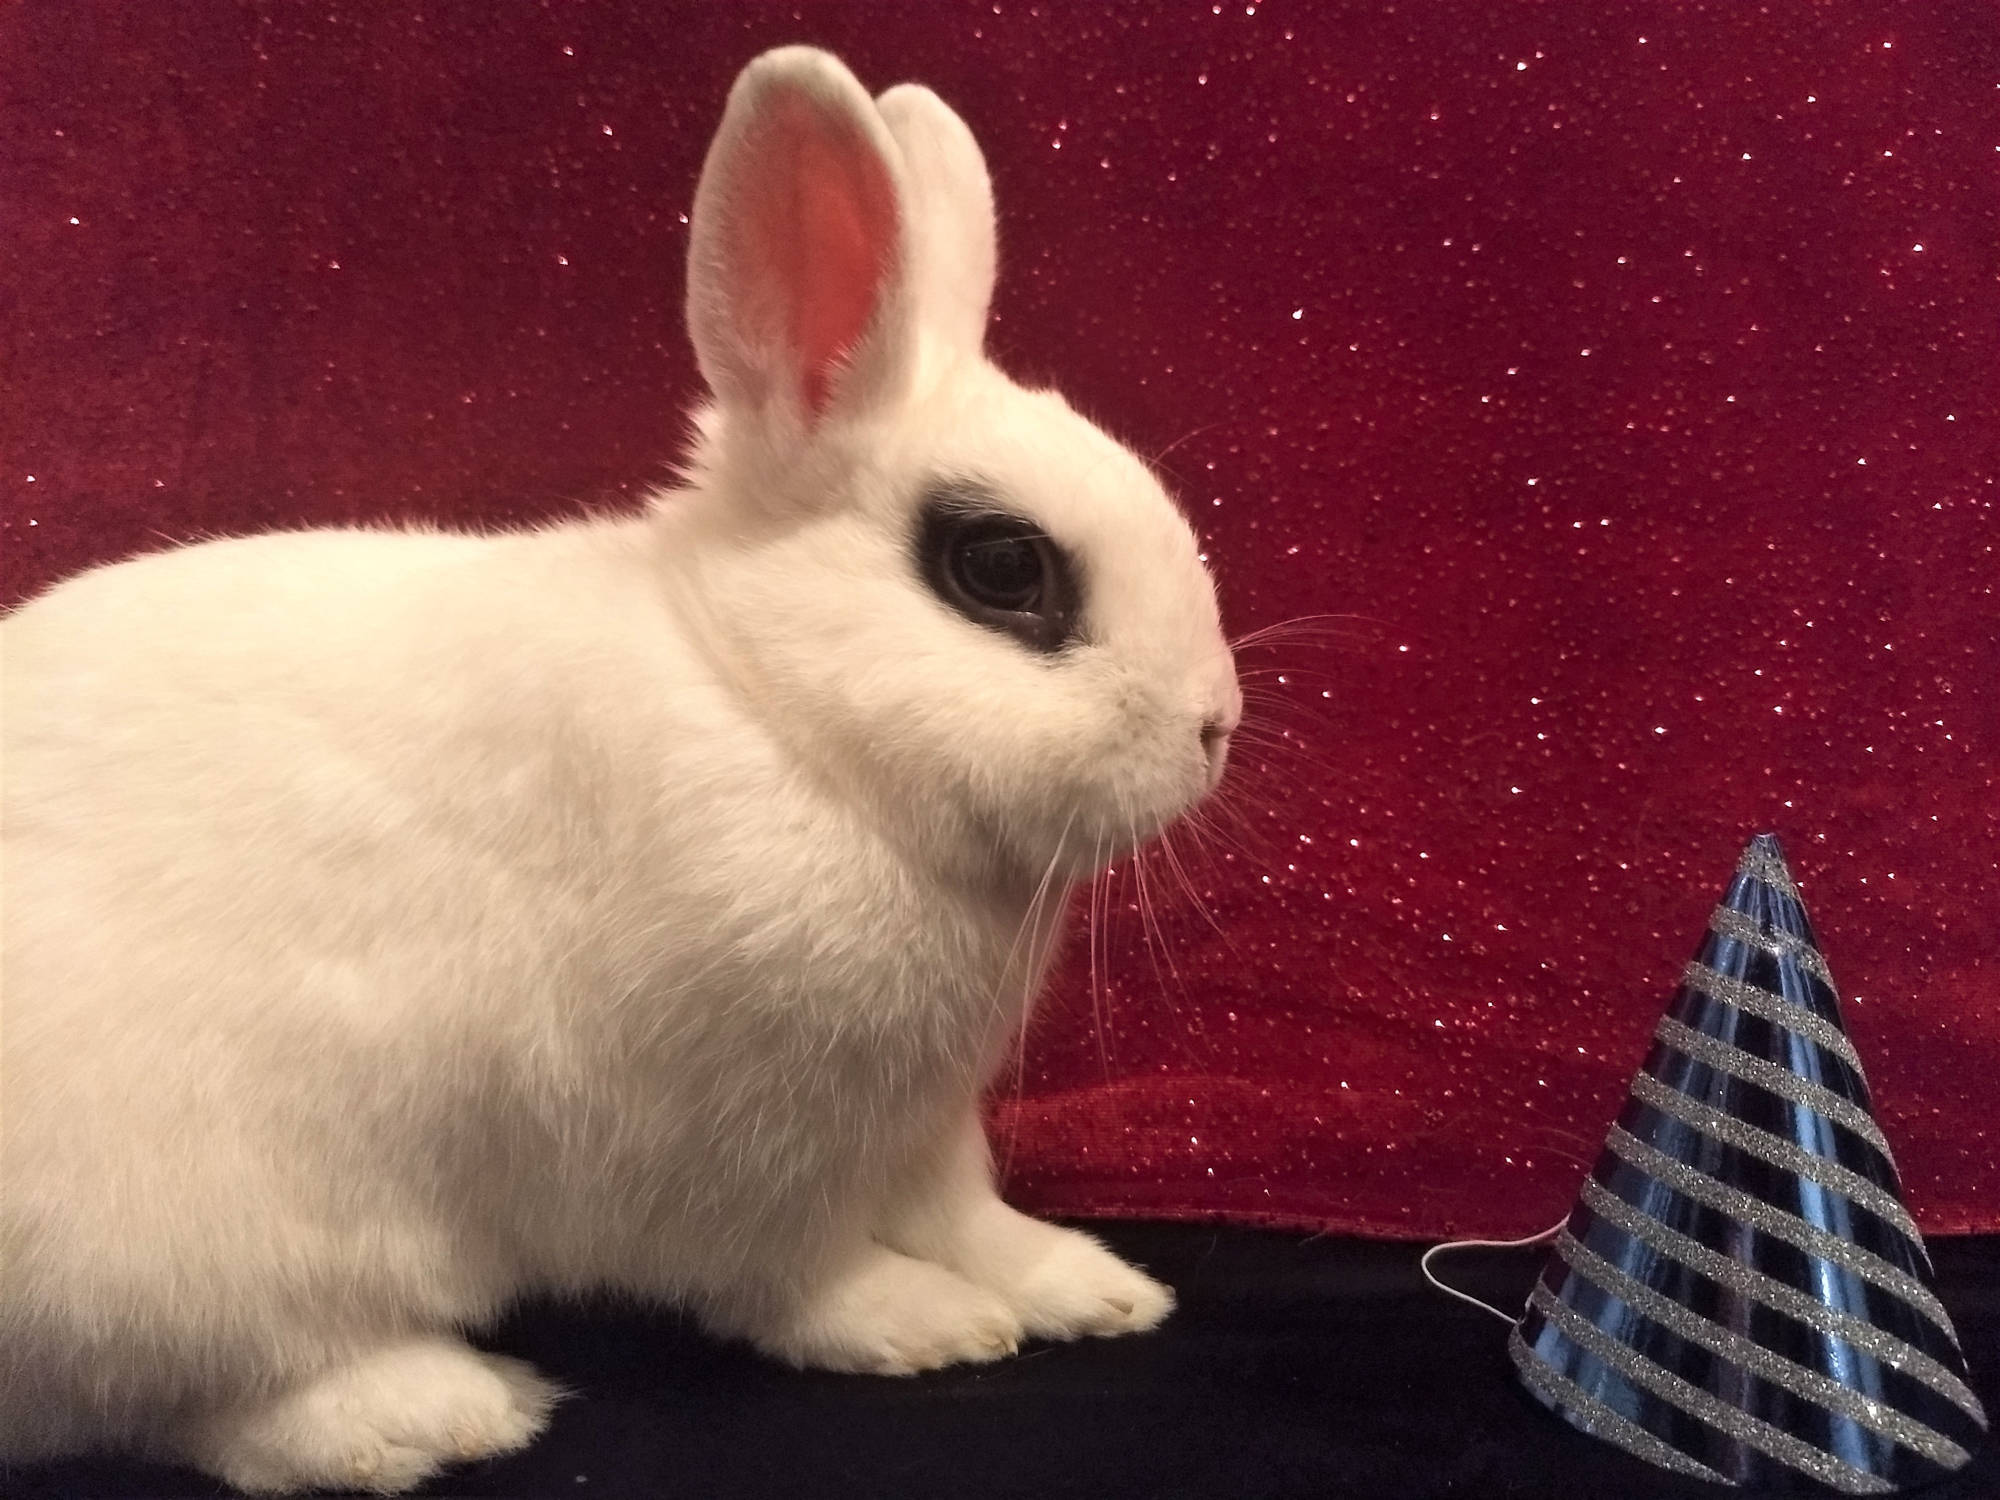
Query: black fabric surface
{"points": [[1294, 1367]]}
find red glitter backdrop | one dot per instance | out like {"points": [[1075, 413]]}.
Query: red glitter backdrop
{"points": [[1620, 377]]}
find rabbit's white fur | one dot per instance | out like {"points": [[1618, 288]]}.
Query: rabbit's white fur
{"points": [[396, 923]]}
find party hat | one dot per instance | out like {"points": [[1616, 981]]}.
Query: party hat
{"points": [[1739, 1293]]}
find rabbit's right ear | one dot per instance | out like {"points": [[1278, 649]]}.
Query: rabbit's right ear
{"points": [[798, 257], [951, 213]]}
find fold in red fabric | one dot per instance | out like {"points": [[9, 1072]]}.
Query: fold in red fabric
{"points": [[1614, 389]]}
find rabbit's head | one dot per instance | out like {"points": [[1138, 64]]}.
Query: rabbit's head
{"points": [[948, 592]]}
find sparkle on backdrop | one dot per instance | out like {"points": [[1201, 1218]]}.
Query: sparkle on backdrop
{"points": [[1619, 383]]}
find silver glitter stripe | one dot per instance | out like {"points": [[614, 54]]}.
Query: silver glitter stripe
{"points": [[1768, 1075], [1773, 1008], [1766, 1364], [1733, 1420], [1778, 1151], [1560, 1390], [1727, 922], [1776, 1222], [1746, 1281], [1759, 864]]}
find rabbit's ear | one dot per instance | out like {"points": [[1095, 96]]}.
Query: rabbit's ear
{"points": [[951, 215], [798, 251]]}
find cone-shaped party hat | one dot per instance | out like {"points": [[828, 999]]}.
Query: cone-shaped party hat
{"points": [[1739, 1293]]}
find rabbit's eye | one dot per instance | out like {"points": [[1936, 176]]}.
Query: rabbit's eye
{"points": [[998, 571], [997, 568]]}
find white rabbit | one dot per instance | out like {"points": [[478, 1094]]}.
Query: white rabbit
{"points": [[399, 923]]}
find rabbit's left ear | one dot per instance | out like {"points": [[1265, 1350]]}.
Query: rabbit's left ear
{"points": [[799, 257], [951, 216]]}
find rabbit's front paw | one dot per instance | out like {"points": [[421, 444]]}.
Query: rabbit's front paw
{"points": [[1065, 1285], [892, 1315], [384, 1423]]}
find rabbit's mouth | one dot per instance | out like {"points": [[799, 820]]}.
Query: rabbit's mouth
{"points": [[1087, 847], [1215, 735]]}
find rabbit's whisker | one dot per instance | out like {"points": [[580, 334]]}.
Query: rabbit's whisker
{"points": [[1038, 938]]}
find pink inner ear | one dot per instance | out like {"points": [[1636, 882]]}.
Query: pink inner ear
{"points": [[825, 231], [847, 210]]}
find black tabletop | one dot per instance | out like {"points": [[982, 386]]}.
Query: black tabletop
{"points": [[1293, 1367]]}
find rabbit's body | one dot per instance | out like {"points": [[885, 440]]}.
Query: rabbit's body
{"points": [[399, 922], [589, 1038]]}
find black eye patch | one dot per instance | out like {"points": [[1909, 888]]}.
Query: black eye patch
{"points": [[996, 569]]}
